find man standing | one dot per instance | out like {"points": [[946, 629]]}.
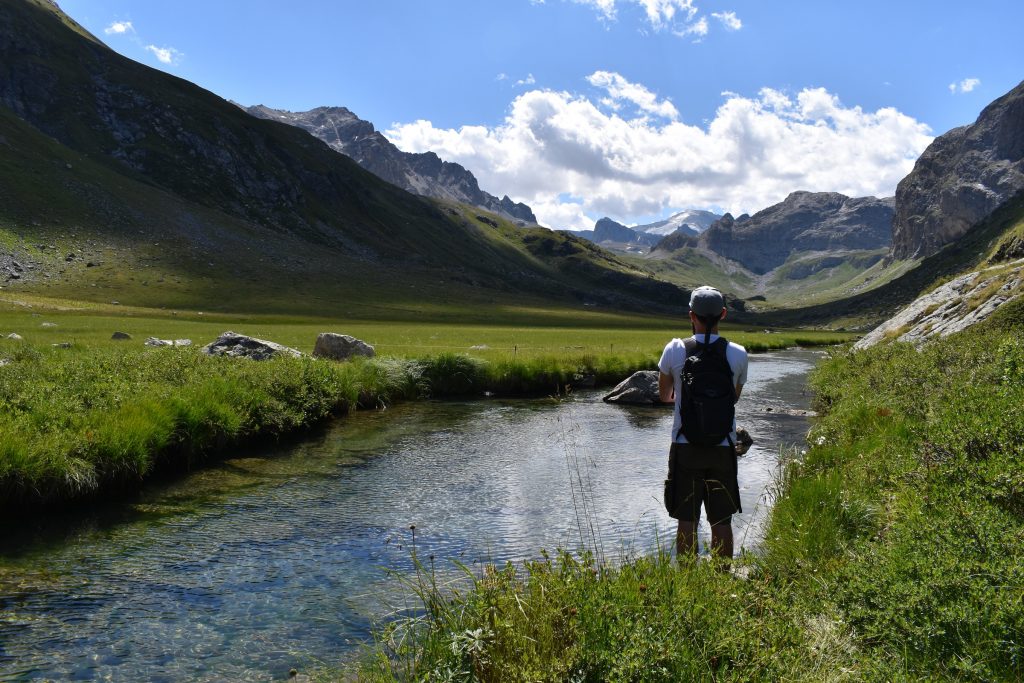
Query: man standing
{"points": [[702, 459]]}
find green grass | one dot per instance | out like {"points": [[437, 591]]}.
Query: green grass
{"points": [[492, 332], [894, 552], [104, 415]]}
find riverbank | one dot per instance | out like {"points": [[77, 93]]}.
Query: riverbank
{"points": [[102, 419], [894, 552]]}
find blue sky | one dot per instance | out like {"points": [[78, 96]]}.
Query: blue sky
{"points": [[627, 108]]}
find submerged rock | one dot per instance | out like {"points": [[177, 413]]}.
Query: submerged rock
{"points": [[333, 346], [640, 388], [743, 441], [240, 346]]}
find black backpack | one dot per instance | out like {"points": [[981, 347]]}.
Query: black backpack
{"points": [[708, 397]]}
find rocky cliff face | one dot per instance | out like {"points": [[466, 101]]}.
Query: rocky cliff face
{"points": [[952, 307], [961, 178], [423, 174], [804, 221]]}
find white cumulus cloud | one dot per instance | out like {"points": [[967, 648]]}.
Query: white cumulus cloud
{"points": [[165, 55], [966, 85], [729, 20], [681, 17], [119, 28], [574, 160], [619, 89]]}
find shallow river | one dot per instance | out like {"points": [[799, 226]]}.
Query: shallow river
{"points": [[281, 558]]}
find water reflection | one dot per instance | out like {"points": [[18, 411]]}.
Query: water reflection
{"points": [[237, 570]]}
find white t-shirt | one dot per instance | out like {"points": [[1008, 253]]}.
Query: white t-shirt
{"points": [[671, 364]]}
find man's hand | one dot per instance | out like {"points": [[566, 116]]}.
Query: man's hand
{"points": [[666, 388]]}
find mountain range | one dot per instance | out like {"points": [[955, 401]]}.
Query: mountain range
{"points": [[118, 181], [423, 174], [121, 181], [615, 236]]}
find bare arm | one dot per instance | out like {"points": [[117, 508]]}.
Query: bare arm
{"points": [[666, 390], [739, 390]]}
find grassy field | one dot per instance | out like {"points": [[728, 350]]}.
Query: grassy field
{"points": [[83, 414], [894, 552], [491, 332]]}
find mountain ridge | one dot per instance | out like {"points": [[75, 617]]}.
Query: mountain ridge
{"points": [[94, 142], [961, 177], [422, 173]]}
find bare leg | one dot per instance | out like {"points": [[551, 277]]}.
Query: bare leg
{"points": [[721, 540], [686, 539]]}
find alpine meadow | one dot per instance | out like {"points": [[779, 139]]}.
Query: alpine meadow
{"points": [[337, 341]]}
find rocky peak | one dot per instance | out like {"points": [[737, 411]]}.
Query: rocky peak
{"points": [[804, 221], [961, 178], [424, 173]]}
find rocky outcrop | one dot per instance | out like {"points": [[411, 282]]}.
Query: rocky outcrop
{"points": [[640, 388], [803, 222], [240, 346], [156, 342], [955, 306], [334, 346], [961, 178], [424, 174]]}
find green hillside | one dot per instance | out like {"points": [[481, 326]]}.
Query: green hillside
{"points": [[180, 199]]}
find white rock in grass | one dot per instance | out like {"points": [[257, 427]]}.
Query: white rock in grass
{"points": [[340, 347]]}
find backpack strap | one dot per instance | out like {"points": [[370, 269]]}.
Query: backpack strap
{"points": [[691, 346]]}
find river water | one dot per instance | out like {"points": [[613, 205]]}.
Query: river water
{"points": [[284, 557]]}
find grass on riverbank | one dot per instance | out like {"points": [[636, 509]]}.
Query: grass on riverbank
{"points": [[101, 415], [895, 552], [80, 421]]}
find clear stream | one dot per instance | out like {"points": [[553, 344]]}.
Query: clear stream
{"points": [[281, 558]]}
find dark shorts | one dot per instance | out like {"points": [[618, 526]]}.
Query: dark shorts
{"points": [[702, 475]]}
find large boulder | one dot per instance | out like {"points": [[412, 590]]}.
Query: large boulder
{"points": [[240, 346], [640, 388], [333, 346]]}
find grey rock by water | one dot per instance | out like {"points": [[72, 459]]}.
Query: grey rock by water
{"points": [[240, 346], [335, 346], [961, 178], [953, 307], [640, 388]]}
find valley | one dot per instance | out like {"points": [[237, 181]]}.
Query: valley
{"points": [[231, 516]]}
